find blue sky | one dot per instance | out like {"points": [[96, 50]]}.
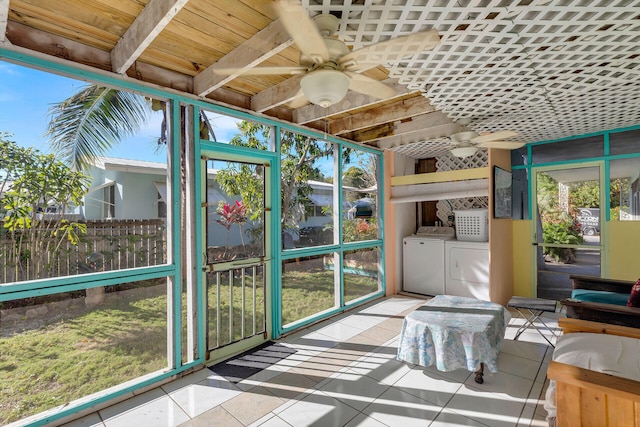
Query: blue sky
{"points": [[26, 95]]}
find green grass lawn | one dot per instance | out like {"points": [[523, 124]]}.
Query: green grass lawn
{"points": [[309, 289], [80, 353], [75, 351]]}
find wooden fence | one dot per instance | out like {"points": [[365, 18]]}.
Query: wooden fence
{"points": [[107, 245]]}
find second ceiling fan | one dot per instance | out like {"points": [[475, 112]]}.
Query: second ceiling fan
{"points": [[467, 143], [330, 69]]}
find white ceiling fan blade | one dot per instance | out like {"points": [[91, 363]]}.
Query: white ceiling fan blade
{"points": [[506, 145], [394, 49], [260, 71], [302, 30], [494, 136], [298, 101], [352, 65], [368, 86]]}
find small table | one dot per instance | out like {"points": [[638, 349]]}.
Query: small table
{"points": [[454, 332], [535, 307]]}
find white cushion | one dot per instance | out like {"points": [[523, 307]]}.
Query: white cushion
{"points": [[609, 354]]}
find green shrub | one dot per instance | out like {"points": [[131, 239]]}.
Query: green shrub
{"points": [[564, 231]]}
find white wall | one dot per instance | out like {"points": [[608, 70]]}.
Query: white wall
{"points": [[405, 213], [136, 195], [93, 200]]}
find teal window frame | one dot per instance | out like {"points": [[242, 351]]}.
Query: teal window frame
{"points": [[173, 270], [605, 159]]}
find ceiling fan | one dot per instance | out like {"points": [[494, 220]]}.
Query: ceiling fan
{"points": [[468, 142], [330, 69]]}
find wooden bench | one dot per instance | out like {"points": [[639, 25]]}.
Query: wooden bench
{"points": [[585, 397], [598, 311]]}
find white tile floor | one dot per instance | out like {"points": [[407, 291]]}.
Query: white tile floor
{"points": [[345, 374]]}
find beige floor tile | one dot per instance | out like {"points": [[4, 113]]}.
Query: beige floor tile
{"points": [[410, 310], [380, 335], [320, 367], [216, 417], [289, 385], [364, 342], [392, 324], [346, 353], [252, 405]]}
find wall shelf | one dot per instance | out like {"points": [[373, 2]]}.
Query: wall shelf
{"points": [[440, 185]]}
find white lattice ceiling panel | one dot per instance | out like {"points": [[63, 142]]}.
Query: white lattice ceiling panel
{"points": [[546, 69]]}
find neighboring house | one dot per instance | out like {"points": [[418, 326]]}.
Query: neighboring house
{"points": [[135, 189], [355, 205], [315, 223], [126, 189]]}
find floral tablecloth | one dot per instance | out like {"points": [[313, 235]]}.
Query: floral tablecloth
{"points": [[454, 333]]}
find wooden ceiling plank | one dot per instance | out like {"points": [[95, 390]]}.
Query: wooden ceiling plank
{"points": [[234, 16], [193, 29], [146, 27], [128, 7], [265, 44], [279, 94], [397, 111], [435, 118], [63, 25]]}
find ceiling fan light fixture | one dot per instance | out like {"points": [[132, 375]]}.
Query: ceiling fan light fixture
{"points": [[325, 87], [463, 152], [463, 136]]}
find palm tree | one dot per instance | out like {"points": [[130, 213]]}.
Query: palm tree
{"points": [[87, 124]]}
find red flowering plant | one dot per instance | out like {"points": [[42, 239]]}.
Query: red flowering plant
{"points": [[231, 215]]}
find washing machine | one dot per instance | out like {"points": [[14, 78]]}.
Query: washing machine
{"points": [[423, 263]]}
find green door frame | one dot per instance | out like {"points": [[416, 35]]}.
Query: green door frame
{"points": [[534, 220], [219, 151]]}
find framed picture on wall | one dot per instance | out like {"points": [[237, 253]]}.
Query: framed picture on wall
{"points": [[501, 193]]}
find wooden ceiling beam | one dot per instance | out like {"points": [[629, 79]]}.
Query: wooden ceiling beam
{"points": [[266, 43], [155, 16], [352, 101], [372, 134], [427, 126], [47, 43], [279, 94], [71, 50], [399, 110]]}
